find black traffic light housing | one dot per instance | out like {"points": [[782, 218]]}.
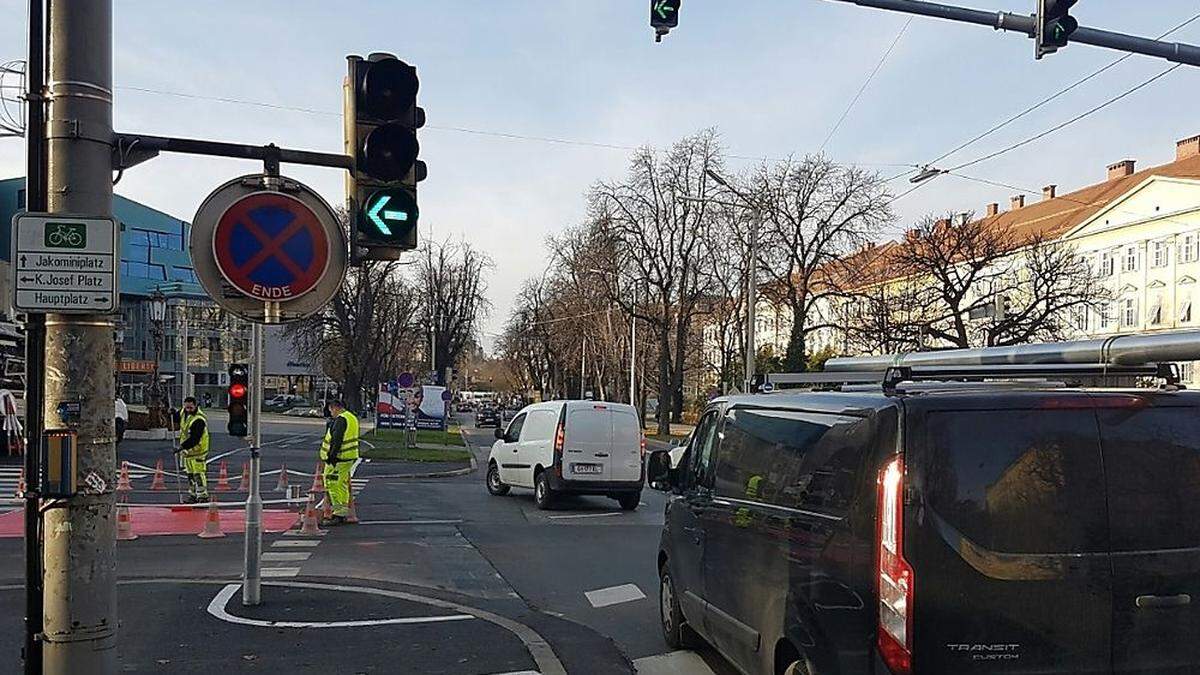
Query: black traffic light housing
{"points": [[239, 400], [381, 122], [664, 15], [1054, 26]]}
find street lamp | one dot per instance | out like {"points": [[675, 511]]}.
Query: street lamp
{"points": [[751, 267], [158, 314]]}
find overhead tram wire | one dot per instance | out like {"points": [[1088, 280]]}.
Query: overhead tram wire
{"points": [[865, 84], [456, 129]]}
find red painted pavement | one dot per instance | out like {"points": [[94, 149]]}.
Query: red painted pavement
{"points": [[151, 520]]}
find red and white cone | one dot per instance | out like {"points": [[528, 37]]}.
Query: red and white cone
{"points": [[223, 478], [326, 508], [244, 486], [123, 484], [212, 523], [308, 523], [282, 485], [352, 513], [125, 523], [158, 483], [318, 484]]}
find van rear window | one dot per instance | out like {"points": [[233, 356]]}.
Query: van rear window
{"points": [[1152, 460], [589, 425], [1018, 481]]}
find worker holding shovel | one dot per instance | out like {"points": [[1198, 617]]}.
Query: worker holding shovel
{"points": [[193, 447]]}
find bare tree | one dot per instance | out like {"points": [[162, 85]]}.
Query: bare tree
{"points": [[726, 264], [452, 280], [813, 213], [982, 283], [657, 234]]}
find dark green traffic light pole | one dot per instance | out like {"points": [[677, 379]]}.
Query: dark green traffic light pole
{"points": [[1175, 52]]}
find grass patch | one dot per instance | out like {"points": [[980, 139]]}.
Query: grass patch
{"points": [[397, 451], [424, 437]]}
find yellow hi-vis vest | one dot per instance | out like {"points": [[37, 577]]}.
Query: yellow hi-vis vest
{"points": [[185, 428], [349, 449]]}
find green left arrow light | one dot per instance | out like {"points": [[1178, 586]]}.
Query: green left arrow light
{"points": [[389, 214]]}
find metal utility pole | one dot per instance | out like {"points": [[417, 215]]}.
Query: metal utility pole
{"points": [[252, 572], [35, 338], [751, 298], [80, 599], [632, 360]]}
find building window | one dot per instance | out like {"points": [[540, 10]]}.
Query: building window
{"points": [[1155, 316], [141, 270], [1107, 264], [1080, 318], [1161, 254], [1103, 315], [1130, 261], [1185, 308], [1187, 248], [183, 274], [1187, 371], [1129, 312]]}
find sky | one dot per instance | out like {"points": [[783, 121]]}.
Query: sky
{"points": [[773, 76]]}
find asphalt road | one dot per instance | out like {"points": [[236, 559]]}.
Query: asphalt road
{"points": [[439, 577]]}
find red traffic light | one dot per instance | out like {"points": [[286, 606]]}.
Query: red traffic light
{"points": [[237, 390]]}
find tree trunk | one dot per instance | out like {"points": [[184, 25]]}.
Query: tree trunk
{"points": [[664, 382], [794, 360]]}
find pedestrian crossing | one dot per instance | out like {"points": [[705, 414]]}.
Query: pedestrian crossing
{"points": [[10, 476]]}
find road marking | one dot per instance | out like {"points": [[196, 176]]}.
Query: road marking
{"points": [[296, 543], [521, 672], [585, 515], [278, 572], [287, 556], [672, 663], [615, 595], [409, 522], [217, 609], [298, 533]]}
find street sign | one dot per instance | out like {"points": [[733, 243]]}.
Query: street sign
{"points": [[405, 380], [268, 249], [64, 264]]}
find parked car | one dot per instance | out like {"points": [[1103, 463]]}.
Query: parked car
{"points": [[283, 402], [487, 416], [967, 528], [303, 411], [577, 447]]}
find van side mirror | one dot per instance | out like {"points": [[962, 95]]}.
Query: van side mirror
{"points": [[658, 470], [499, 433]]}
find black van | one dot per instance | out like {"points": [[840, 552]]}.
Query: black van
{"points": [[956, 528]]}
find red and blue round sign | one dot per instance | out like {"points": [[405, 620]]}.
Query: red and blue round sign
{"points": [[271, 246]]}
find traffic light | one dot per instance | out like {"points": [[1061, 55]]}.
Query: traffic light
{"points": [[239, 400], [664, 15], [1054, 26], [381, 122]]}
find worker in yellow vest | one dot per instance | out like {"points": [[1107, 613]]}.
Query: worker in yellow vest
{"points": [[339, 452], [193, 449]]}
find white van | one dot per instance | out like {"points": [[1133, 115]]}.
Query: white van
{"points": [[577, 447]]}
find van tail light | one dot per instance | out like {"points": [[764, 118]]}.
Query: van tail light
{"points": [[643, 446], [894, 579], [559, 440]]}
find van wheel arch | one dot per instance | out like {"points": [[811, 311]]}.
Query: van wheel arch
{"points": [[789, 660]]}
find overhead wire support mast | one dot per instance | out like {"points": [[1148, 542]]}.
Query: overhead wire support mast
{"points": [[1176, 52]]}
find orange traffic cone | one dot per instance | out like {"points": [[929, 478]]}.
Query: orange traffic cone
{"points": [[223, 478], [245, 484], [124, 523], [326, 508], [318, 484], [21, 483], [352, 515], [281, 486], [308, 523], [212, 523], [123, 484], [158, 483]]}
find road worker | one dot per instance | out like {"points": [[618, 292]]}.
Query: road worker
{"points": [[193, 448], [339, 452]]}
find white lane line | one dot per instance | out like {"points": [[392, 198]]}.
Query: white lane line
{"points": [[295, 543], [672, 663], [298, 533], [278, 572], [286, 556], [585, 515], [615, 595], [217, 609], [409, 522]]}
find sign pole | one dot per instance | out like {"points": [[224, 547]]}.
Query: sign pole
{"points": [[252, 577]]}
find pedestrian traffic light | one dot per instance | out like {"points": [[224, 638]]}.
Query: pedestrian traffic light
{"points": [[664, 15], [381, 122], [239, 400], [1054, 26]]}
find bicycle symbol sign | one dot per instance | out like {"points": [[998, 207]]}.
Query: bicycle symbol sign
{"points": [[66, 235], [271, 246]]}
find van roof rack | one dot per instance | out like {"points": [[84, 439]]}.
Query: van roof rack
{"points": [[891, 378]]}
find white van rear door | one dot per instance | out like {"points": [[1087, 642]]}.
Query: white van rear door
{"points": [[626, 446], [587, 448]]}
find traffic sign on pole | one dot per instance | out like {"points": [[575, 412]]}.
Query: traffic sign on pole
{"points": [[268, 250], [64, 264]]}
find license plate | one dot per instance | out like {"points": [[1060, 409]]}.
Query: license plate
{"points": [[587, 468]]}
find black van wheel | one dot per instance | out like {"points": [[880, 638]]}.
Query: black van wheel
{"points": [[543, 496], [630, 502], [494, 484], [676, 632]]}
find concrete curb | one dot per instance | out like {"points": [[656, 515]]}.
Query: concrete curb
{"points": [[434, 474], [150, 435]]}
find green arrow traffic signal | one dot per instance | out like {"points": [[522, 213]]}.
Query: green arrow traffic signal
{"points": [[388, 215], [662, 8]]}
